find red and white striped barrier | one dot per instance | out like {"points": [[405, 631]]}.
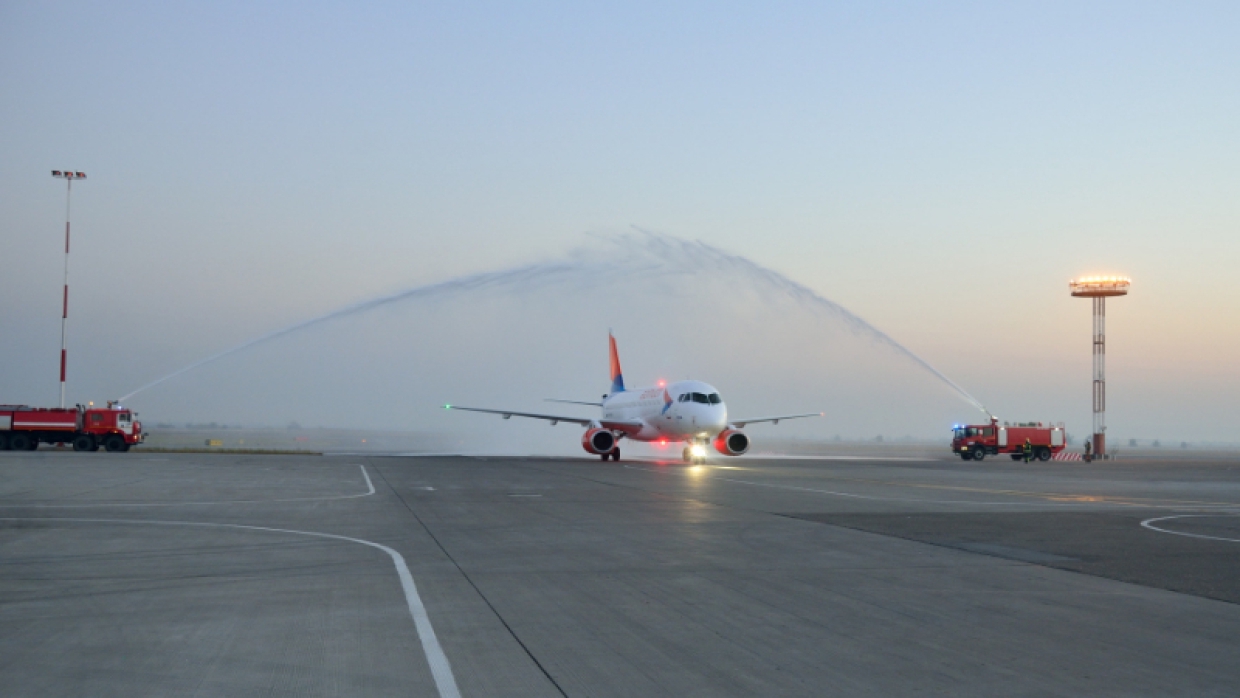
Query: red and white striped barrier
{"points": [[1064, 455]]}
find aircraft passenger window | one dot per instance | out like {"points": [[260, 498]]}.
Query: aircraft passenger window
{"points": [[714, 398], [700, 397]]}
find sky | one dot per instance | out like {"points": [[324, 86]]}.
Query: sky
{"points": [[940, 170]]}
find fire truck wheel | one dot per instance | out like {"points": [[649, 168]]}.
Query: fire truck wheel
{"points": [[114, 443], [1016, 456], [4, 442], [84, 443], [1044, 454], [979, 455], [20, 442]]}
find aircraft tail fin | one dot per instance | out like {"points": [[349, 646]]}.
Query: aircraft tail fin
{"points": [[617, 377]]}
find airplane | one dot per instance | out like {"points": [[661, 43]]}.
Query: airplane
{"points": [[687, 411]]}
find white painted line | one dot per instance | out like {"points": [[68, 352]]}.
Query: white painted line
{"points": [[441, 670], [369, 486], [1148, 523]]}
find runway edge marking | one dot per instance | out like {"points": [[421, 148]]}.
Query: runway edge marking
{"points": [[441, 669]]}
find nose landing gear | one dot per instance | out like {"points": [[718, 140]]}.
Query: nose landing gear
{"points": [[694, 454]]}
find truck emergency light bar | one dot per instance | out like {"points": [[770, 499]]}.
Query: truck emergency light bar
{"points": [[68, 174]]}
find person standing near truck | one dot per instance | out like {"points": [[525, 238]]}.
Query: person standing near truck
{"points": [[1089, 450], [1028, 450]]}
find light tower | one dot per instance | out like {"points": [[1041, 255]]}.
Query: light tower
{"points": [[1099, 288], [64, 314]]}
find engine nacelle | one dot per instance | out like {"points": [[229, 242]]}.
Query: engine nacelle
{"points": [[598, 441], [732, 442]]}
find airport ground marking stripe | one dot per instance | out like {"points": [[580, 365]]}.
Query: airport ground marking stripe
{"points": [[441, 669], [469, 580], [1148, 523], [1089, 500], [369, 486]]}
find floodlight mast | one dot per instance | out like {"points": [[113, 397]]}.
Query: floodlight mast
{"points": [[68, 176], [1099, 288]]}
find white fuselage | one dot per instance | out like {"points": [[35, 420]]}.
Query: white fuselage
{"points": [[681, 411]]}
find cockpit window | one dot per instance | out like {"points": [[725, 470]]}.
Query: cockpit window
{"points": [[701, 397], [683, 397], [714, 398]]}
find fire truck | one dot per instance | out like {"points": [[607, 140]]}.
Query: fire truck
{"points": [[23, 428], [976, 441]]}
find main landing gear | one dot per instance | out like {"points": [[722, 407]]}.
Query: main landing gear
{"points": [[614, 455]]}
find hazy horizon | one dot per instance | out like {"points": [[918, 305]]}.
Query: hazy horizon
{"points": [[939, 172]]}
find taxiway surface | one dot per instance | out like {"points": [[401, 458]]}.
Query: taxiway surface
{"points": [[155, 574]]}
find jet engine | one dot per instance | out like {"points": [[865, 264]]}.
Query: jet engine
{"points": [[731, 442], [598, 441]]}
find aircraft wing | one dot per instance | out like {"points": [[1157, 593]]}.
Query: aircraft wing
{"points": [[553, 418], [742, 422], [628, 426]]}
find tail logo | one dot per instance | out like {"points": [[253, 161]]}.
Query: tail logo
{"points": [[617, 376]]}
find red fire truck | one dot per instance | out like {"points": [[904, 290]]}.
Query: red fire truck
{"points": [[976, 441], [22, 428]]}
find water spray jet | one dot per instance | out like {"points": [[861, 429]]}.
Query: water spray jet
{"points": [[639, 255]]}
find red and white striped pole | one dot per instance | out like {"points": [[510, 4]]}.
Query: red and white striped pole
{"points": [[64, 315]]}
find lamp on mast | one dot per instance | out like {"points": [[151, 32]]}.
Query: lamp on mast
{"points": [[1099, 288], [68, 176]]}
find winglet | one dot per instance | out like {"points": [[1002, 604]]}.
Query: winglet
{"points": [[617, 377]]}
